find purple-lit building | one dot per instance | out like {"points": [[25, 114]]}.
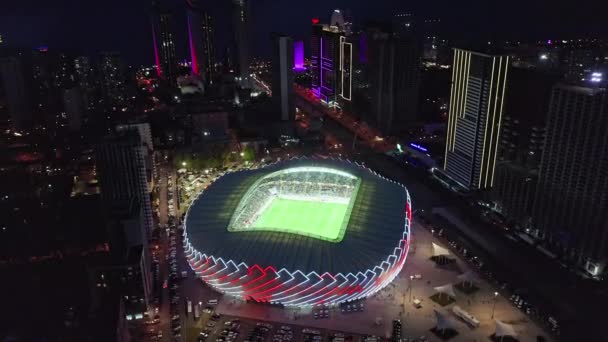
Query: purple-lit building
{"points": [[298, 56], [331, 63]]}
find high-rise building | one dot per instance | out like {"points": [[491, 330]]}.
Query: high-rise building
{"points": [[282, 76], [404, 24], [242, 37], [130, 277], [73, 104], [298, 56], [17, 88], [121, 165], [432, 44], [393, 64], [164, 45], [572, 193], [201, 41], [522, 138], [143, 129], [112, 78], [87, 82], [65, 74], [50, 76], [331, 61], [475, 114]]}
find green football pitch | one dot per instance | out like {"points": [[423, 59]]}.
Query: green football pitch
{"points": [[318, 219]]}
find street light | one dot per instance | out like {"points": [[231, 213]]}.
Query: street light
{"points": [[411, 286], [494, 305], [184, 164]]}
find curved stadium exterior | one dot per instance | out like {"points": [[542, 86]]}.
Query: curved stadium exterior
{"points": [[299, 232]]}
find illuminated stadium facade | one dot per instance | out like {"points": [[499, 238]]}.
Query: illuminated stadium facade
{"points": [[299, 232]]}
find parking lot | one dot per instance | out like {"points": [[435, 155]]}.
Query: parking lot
{"points": [[226, 328]]}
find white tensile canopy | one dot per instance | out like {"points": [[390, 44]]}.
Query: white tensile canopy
{"points": [[503, 329], [447, 289], [467, 277], [439, 251], [444, 322]]}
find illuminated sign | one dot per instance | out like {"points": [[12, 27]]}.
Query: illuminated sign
{"points": [[418, 147]]}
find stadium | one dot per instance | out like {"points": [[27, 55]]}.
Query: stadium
{"points": [[299, 232]]}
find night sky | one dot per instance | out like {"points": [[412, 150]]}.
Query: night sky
{"points": [[124, 25]]}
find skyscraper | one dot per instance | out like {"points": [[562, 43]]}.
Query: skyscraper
{"points": [[242, 29], [282, 76], [298, 56], [122, 171], [112, 78], [15, 76], [73, 104], [164, 46], [331, 61], [475, 114], [572, 194], [201, 41], [522, 138], [393, 72], [404, 24], [86, 81]]}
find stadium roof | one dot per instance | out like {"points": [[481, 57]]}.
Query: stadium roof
{"points": [[375, 227]]}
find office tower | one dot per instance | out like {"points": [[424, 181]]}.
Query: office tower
{"points": [[64, 73], [432, 44], [83, 70], [164, 46], [404, 24], [18, 91], [201, 41], [331, 62], [242, 32], [49, 78], [86, 80], [571, 198], [112, 76], [121, 167], [522, 138], [73, 105], [475, 114], [394, 79], [282, 77]]}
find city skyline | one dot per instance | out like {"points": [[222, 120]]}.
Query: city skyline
{"points": [[536, 20], [190, 171]]}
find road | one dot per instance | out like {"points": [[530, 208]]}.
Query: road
{"points": [[164, 265], [368, 136]]}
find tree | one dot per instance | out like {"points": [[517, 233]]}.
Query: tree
{"points": [[248, 153]]}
